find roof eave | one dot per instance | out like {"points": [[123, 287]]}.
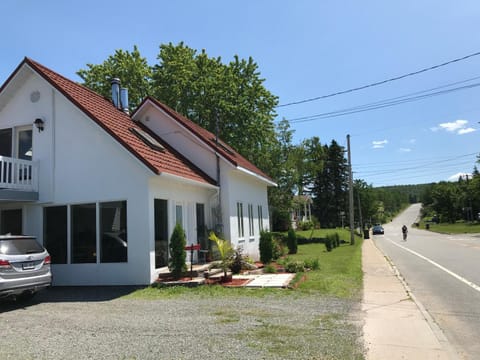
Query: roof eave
{"points": [[261, 178]]}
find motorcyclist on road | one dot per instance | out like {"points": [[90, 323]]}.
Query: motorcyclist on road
{"points": [[404, 232]]}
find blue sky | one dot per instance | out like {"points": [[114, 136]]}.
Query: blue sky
{"points": [[304, 49]]}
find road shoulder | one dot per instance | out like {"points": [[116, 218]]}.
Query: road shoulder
{"points": [[396, 325]]}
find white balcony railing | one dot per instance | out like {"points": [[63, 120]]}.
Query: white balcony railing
{"points": [[18, 174]]}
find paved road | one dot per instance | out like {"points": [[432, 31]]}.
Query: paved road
{"points": [[444, 274]]}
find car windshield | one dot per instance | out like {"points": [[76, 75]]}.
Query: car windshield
{"points": [[19, 246]]}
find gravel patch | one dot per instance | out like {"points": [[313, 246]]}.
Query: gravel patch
{"points": [[97, 323]]}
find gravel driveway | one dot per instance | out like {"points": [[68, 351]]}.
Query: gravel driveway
{"points": [[98, 323]]}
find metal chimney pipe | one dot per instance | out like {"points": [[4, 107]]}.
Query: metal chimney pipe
{"points": [[116, 92], [124, 100]]}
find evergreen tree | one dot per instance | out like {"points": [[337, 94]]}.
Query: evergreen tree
{"points": [[176, 263], [330, 187]]}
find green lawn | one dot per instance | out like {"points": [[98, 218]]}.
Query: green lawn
{"points": [[457, 228], [340, 272]]}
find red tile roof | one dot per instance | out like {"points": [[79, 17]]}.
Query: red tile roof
{"points": [[206, 136], [118, 124]]}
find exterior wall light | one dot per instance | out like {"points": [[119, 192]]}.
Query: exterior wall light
{"points": [[39, 124]]}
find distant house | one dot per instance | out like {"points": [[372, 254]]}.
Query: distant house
{"points": [[301, 210], [103, 190]]}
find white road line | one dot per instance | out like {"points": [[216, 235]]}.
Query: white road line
{"points": [[456, 276]]}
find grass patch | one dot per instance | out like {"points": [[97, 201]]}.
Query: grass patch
{"points": [[200, 292], [326, 337], [457, 228], [340, 273]]}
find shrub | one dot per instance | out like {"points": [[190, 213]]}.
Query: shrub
{"points": [[270, 269], [329, 243], [294, 267], [237, 260], [337, 239], [266, 247], [292, 241], [305, 225], [278, 249], [176, 263], [312, 264]]}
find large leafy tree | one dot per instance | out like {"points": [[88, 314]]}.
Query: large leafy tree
{"points": [[130, 67], [227, 99]]}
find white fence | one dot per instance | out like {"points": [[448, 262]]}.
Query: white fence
{"points": [[18, 174]]}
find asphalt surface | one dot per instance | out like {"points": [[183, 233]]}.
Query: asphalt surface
{"points": [[443, 273]]}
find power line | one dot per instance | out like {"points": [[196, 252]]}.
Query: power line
{"points": [[379, 82], [379, 104]]}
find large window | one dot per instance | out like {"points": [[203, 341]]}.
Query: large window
{"points": [[84, 234], [112, 242], [11, 222], [113, 231], [55, 233], [251, 230], [241, 233]]}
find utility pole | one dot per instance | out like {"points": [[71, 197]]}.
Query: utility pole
{"points": [[350, 193]]}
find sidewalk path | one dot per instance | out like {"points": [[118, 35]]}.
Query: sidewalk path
{"points": [[396, 326]]}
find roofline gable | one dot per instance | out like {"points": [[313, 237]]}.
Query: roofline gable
{"points": [[116, 123], [209, 139]]}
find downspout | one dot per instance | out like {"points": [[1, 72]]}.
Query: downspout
{"points": [[54, 112], [219, 221]]}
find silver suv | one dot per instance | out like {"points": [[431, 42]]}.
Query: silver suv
{"points": [[24, 266]]}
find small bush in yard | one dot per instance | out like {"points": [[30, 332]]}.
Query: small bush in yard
{"points": [[176, 263], [329, 243], [266, 247], [312, 264], [337, 239], [294, 267], [237, 260], [270, 269], [292, 242], [278, 249]]}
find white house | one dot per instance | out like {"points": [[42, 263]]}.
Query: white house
{"points": [[103, 190]]}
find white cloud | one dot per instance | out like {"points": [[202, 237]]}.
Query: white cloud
{"points": [[379, 144], [453, 126], [458, 175], [458, 126], [405, 150], [466, 131]]}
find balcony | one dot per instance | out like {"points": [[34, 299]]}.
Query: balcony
{"points": [[18, 179]]}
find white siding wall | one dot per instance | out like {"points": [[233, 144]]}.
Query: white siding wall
{"points": [[246, 190]]}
